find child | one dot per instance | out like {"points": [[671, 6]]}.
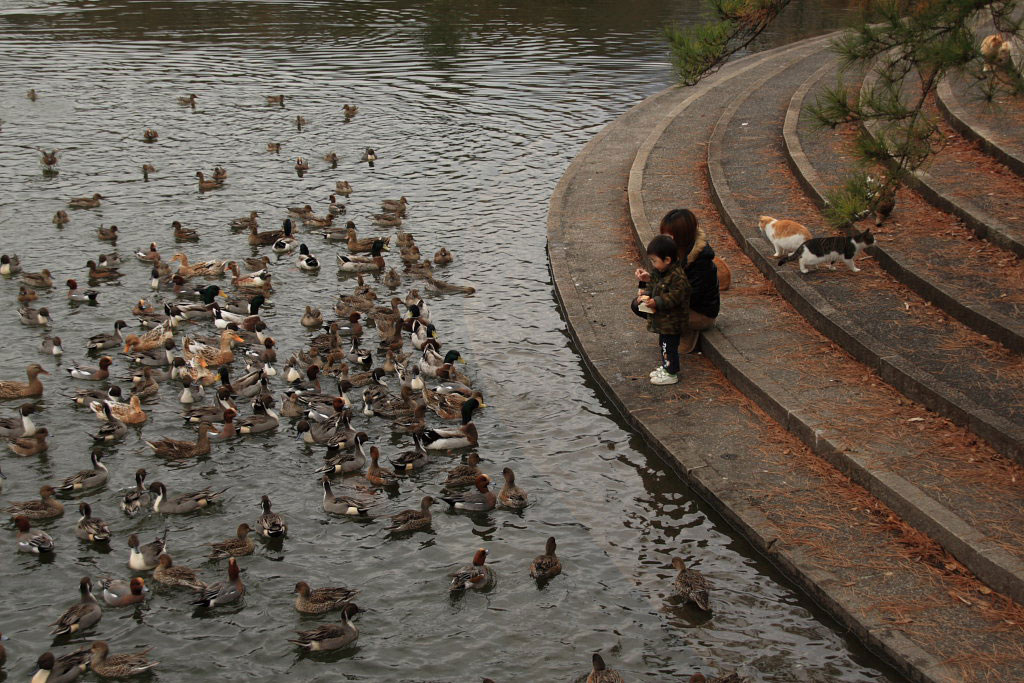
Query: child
{"points": [[666, 299]]}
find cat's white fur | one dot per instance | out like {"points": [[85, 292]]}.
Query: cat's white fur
{"points": [[809, 259], [784, 244]]}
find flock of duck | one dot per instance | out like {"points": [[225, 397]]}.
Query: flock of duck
{"points": [[193, 336]]}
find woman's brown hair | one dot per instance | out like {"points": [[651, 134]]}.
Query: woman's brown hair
{"points": [[681, 224]]}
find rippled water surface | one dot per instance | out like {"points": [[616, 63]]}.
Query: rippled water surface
{"points": [[475, 109]]}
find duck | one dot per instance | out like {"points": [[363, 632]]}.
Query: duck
{"points": [[330, 636], [343, 187], [186, 502], [221, 404], [188, 100], [361, 264], [26, 295], [112, 429], [239, 546], [170, 574], [413, 520], [90, 373], [96, 272], [182, 450], [262, 420], [357, 246], [481, 500], [246, 222], [443, 287], [34, 317], [31, 95], [47, 507], [205, 184], [150, 340], [145, 385], [111, 260], [130, 413], [546, 566], [225, 592], [34, 387], [464, 475], [87, 479], [450, 439], [387, 220], [183, 234], [270, 524], [600, 673], [150, 135], [14, 427], [410, 461], [342, 462], [146, 170], [300, 121], [350, 110], [307, 261], [341, 505], [275, 99], [212, 268], [268, 237], [191, 392], [100, 342], [82, 615], [120, 593], [398, 206], [61, 670], [61, 217], [410, 255], [137, 498], [300, 163], [321, 600], [29, 541], [335, 208], [449, 406], [145, 557], [10, 265], [274, 147], [107, 234], [691, 585], [312, 318], [89, 528], [106, 665], [41, 280], [377, 475], [85, 202], [315, 221], [211, 355], [369, 156], [220, 173], [443, 257], [86, 297], [511, 496], [285, 245], [476, 576], [30, 445]]}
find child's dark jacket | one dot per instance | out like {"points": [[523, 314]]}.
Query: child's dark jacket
{"points": [[671, 293]]}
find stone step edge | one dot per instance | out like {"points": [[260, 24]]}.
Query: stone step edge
{"points": [[977, 220], [983, 319], [990, 563], [891, 366], [960, 119], [818, 584]]}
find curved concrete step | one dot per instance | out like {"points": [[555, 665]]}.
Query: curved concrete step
{"points": [[941, 269], [991, 134], [728, 452], [877, 320], [864, 429]]}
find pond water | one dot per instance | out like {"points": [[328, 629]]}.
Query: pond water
{"points": [[475, 109]]}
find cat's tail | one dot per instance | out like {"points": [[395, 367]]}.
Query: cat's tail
{"points": [[793, 256]]}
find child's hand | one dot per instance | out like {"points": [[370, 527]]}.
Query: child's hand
{"points": [[642, 275], [649, 303]]}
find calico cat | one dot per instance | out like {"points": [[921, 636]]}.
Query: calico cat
{"points": [[786, 236], [831, 249]]}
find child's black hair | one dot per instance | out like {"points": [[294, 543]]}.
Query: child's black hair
{"points": [[664, 247]]}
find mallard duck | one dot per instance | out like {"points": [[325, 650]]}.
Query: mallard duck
{"points": [[80, 616], [129, 413], [29, 541], [31, 95], [691, 585], [61, 217], [85, 202], [341, 505], [275, 99], [307, 261], [120, 593], [42, 279], [369, 156], [361, 264], [202, 269], [87, 479], [220, 173], [239, 546], [476, 576], [170, 574], [270, 524], [26, 295], [181, 450], [205, 184], [61, 670], [335, 208], [268, 237], [13, 427], [150, 135], [100, 342], [398, 206], [356, 245], [186, 502], [285, 245], [146, 170], [245, 222], [300, 163], [188, 100], [442, 287], [511, 496], [387, 220], [481, 500], [91, 373], [464, 475], [183, 234], [107, 234], [11, 265], [449, 439], [34, 317], [601, 673], [113, 429], [274, 147], [443, 257], [145, 557], [410, 254], [48, 158], [97, 272], [107, 665], [34, 387], [343, 187], [315, 221], [30, 445], [350, 110], [148, 341], [546, 566], [86, 297], [223, 593], [321, 600], [300, 121], [312, 318], [137, 498], [330, 636], [210, 355], [413, 520]]}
